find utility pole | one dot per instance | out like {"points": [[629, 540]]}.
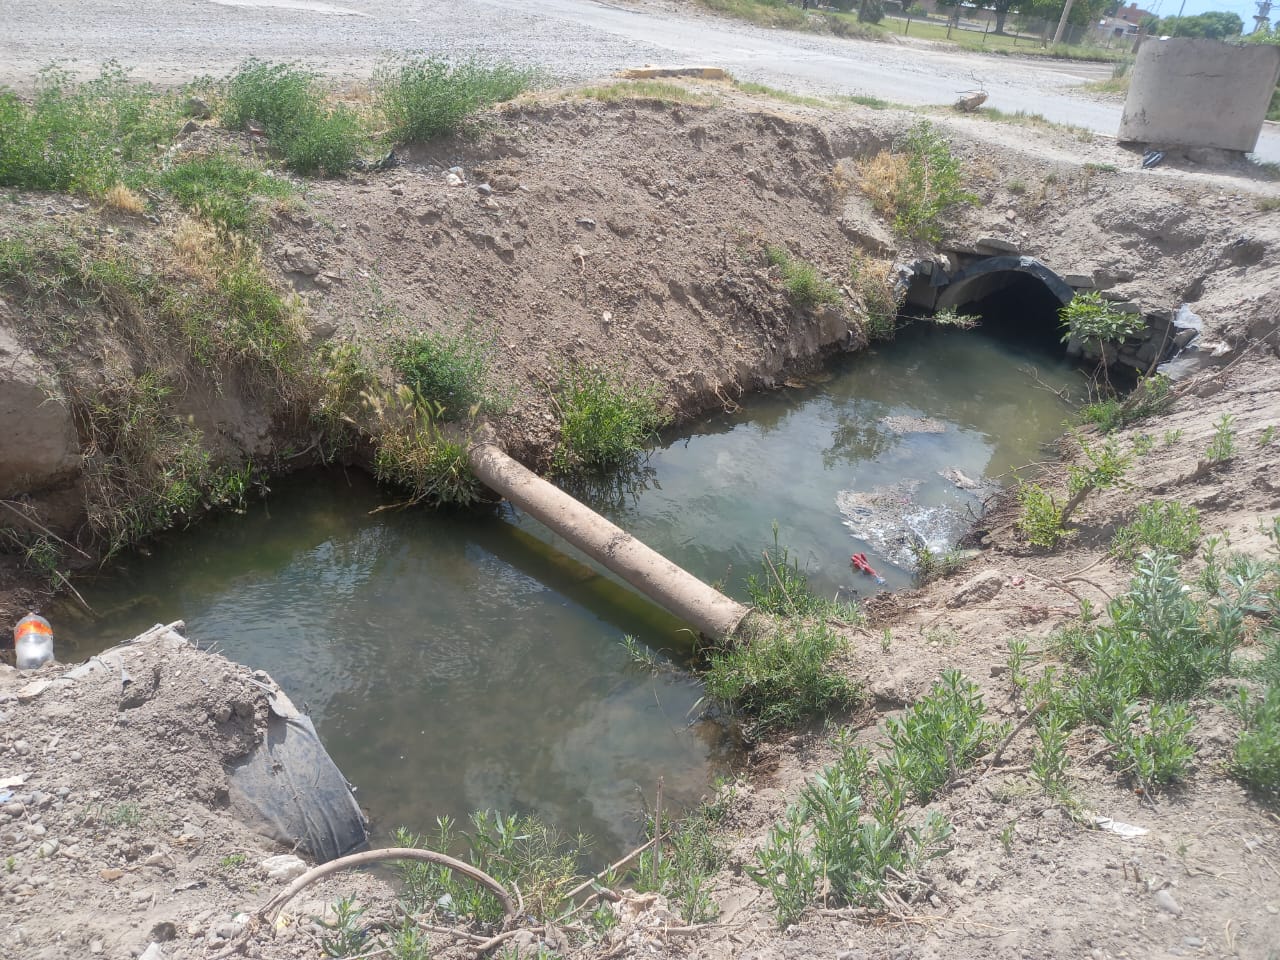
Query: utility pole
{"points": [[1062, 23], [1262, 19]]}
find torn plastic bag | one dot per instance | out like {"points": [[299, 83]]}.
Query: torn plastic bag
{"points": [[292, 791]]}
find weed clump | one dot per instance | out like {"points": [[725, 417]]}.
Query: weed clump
{"points": [[603, 423], [450, 370], [287, 102], [873, 282], [417, 453], [782, 677], [1162, 527], [83, 137], [427, 97], [917, 183], [805, 286], [223, 190], [1091, 320]]}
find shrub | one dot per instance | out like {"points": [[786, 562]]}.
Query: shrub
{"points": [[1257, 755], [873, 282], [1223, 445], [450, 370], [781, 677], [918, 184], [1091, 320], [1159, 751], [1162, 527], [805, 286], [416, 453], [1041, 517], [603, 423], [288, 103], [83, 137], [426, 97], [938, 737]]}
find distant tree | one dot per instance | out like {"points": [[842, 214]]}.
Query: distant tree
{"points": [[1215, 25]]}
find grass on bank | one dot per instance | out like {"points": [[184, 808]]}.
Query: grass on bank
{"points": [[806, 288], [779, 13], [604, 422], [224, 190], [660, 91], [1007, 44], [426, 97]]}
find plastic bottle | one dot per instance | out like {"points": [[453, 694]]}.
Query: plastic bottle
{"points": [[33, 642]]}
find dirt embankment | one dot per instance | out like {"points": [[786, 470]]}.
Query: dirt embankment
{"points": [[631, 234]]}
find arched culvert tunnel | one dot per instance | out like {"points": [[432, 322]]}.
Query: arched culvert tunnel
{"points": [[1018, 298]]}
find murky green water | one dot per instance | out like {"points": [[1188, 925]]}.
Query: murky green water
{"points": [[455, 663]]}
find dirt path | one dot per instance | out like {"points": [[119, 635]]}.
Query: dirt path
{"points": [[571, 39]]}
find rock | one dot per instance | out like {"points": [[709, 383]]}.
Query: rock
{"points": [[110, 874], [505, 183], [298, 260], [153, 952], [453, 180], [197, 108], [39, 448], [1196, 942], [96, 946], [978, 589], [164, 931], [283, 868], [21, 747], [986, 244], [1164, 900], [484, 189], [1079, 280], [47, 849]]}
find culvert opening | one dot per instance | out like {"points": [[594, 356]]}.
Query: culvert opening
{"points": [[1016, 307]]}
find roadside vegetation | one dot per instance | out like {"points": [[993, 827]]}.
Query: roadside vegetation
{"points": [[915, 183], [842, 21]]}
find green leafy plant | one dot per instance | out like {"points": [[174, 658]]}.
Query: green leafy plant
{"points": [[425, 97], [1040, 519], [786, 868], [344, 936], [1267, 435], [690, 858], [1256, 760], [1092, 320], [1161, 526], [872, 280], [960, 321], [805, 286], [83, 137], [417, 452], [1223, 445], [932, 565], [288, 103], [782, 676], [603, 422], [918, 183], [782, 589], [449, 370], [939, 736], [1158, 754]]}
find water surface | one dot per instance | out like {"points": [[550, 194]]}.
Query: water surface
{"points": [[452, 663]]}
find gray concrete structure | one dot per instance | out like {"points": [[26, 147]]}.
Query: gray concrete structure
{"points": [[1199, 93]]}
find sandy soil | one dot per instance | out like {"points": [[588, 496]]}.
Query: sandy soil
{"points": [[630, 233]]}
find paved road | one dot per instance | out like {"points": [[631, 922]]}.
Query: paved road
{"points": [[174, 40]]}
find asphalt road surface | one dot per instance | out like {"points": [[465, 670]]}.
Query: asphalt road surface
{"points": [[171, 41]]}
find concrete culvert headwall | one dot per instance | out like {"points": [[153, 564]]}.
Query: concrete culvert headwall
{"points": [[1017, 297]]}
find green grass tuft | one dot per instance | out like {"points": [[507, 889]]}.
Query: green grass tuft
{"points": [[603, 423], [223, 190], [426, 97], [450, 370]]}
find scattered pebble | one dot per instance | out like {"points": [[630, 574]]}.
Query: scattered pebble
{"points": [[283, 868], [1165, 901]]}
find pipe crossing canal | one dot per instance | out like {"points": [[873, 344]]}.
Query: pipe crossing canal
{"points": [[454, 662]]}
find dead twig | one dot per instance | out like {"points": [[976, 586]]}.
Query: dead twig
{"points": [[1018, 728], [587, 884]]}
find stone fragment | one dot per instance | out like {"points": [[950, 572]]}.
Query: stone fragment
{"points": [[1164, 900], [986, 244], [978, 589], [283, 868]]}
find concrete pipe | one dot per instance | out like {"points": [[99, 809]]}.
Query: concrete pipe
{"points": [[697, 604]]}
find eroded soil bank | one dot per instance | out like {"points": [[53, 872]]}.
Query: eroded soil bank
{"points": [[631, 233]]}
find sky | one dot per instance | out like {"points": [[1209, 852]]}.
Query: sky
{"points": [[1245, 9]]}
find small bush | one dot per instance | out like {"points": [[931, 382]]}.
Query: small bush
{"points": [[223, 190], [939, 736], [1156, 753], [1041, 517], [603, 423], [1091, 320], [1162, 527], [450, 370], [873, 282], [426, 97], [83, 137], [288, 102], [805, 286], [1257, 754], [917, 184], [1223, 445], [416, 453], [782, 677]]}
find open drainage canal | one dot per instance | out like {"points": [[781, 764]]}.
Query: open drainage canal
{"points": [[455, 663]]}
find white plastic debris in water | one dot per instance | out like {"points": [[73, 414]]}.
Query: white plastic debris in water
{"points": [[1126, 830]]}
